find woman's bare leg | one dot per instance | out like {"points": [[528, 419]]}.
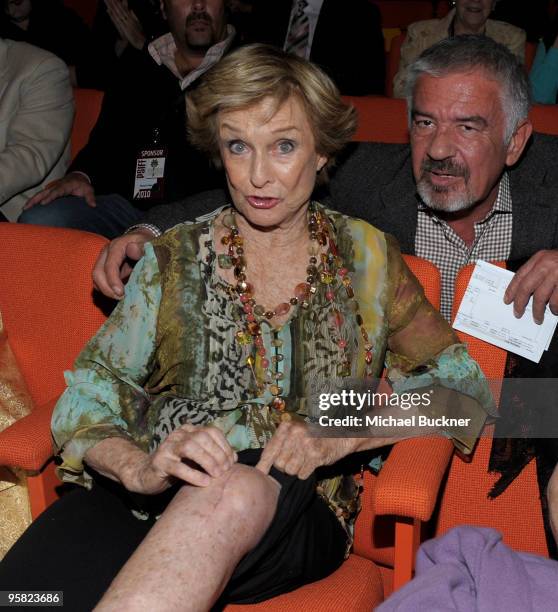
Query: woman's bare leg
{"points": [[187, 558]]}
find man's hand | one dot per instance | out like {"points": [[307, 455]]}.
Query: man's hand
{"points": [[112, 266], [295, 451], [126, 22], [538, 278], [74, 183], [192, 454]]}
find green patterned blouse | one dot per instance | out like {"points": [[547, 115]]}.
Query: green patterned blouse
{"points": [[168, 355]]}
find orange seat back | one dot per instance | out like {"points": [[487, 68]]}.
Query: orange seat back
{"points": [[380, 119], [517, 511], [544, 118], [401, 13], [374, 536], [88, 106], [46, 300]]}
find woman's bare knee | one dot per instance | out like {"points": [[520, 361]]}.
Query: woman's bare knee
{"points": [[243, 494]]}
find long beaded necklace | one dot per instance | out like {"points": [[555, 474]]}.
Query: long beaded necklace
{"points": [[322, 267]]}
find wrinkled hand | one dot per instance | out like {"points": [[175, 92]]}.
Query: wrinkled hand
{"points": [[294, 450], [113, 264], [126, 22], [192, 454], [74, 183], [537, 277]]}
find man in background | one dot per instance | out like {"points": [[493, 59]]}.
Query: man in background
{"points": [[36, 111], [138, 154], [344, 38]]}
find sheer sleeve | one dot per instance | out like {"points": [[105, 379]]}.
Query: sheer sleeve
{"points": [[424, 352], [105, 397]]}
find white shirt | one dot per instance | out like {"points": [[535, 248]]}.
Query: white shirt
{"points": [[312, 11], [162, 50]]}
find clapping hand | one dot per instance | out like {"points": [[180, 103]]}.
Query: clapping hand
{"points": [[126, 22]]}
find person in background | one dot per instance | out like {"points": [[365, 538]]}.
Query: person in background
{"points": [[467, 17], [345, 39], [193, 400], [544, 72], [138, 155], [37, 111], [50, 25]]}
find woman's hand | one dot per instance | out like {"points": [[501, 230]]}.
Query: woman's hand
{"points": [[295, 451], [192, 454]]}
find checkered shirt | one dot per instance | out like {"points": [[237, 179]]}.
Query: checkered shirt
{"points": [[436, 241], [162, 50]]}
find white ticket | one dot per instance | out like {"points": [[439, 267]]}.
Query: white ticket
{"points": [[483, 314]]}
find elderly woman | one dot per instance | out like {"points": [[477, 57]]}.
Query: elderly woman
{"points": [[467, 17], [206, 361]]}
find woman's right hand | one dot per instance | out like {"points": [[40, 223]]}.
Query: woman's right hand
{"points": [[192, 454]]}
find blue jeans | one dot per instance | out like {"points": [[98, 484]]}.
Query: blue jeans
{"points": [[111, 217]]}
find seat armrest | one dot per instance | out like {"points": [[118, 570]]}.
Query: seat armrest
{"points": [[410, 479], [27, 443]]}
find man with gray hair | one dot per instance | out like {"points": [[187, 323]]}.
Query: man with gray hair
{"points": [[462, 191]]}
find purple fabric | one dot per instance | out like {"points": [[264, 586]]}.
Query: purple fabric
{"points": [[470, 569]]}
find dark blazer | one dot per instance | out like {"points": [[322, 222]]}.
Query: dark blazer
{"points": [[143, 98], [374, 181], [348, 43]]}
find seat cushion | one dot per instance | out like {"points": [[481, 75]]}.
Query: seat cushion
{"points": [[355, 586]]}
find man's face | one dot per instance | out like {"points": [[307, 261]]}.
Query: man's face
{"points": [[457, 140], [17, 10], [197, 24]]}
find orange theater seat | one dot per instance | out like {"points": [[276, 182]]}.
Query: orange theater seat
{"points": [[356, 586], [88, 106], [49, 313], [380, 119], [401, 13], [516, 512], [402, 498], [544, 118]]}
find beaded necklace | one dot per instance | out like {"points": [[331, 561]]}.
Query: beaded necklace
{"points": [[325, 268]]}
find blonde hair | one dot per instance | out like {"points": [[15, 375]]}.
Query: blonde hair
{"points": [[254, 72]]}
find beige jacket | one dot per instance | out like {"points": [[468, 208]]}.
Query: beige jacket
{"points": [[36, 114], [424, 34]]}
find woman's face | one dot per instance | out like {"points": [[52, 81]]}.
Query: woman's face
{"points": [[473, 13], [17, 10], [270, 160]]}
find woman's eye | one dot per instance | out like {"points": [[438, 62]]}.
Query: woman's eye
{"points": [[286, 146], [236, 147]]}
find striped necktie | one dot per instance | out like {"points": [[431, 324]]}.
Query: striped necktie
{"points": [[297, 38]]}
